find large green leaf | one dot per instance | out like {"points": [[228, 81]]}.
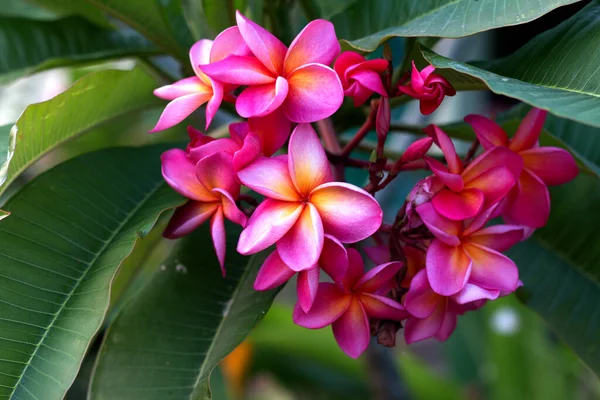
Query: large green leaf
{"points": [[161, 21], [93, 100], [67, 235], [366, 24], [4, 145], [39, 45], [560, 270], [64, 8], [166, 341], [556, 71]]}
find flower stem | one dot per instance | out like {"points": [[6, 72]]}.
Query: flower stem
{"points": [[363, 130]]}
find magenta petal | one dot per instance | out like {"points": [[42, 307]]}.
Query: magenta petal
{"points": [[215, 101], [359, 93], [348, 212], [498, 237], [345, 61], [217, 231], [200, 54], [445, 143], [329, 304], [180, 173], [270, 177], [273, 130], [529, 130], [493, 158], [258, 101], [179, 109], [239, 70], [421, 301], [448, 326], [271, 220], [491, 270], [307, 286], [308, 163], [216, 171], [552, 165], [377, 277], [448, 268], [222, 145], [272, 273], [441, 227], [301, 246], [266, 47], [471, 293], [417, 329], [315, 92], [530, 202], [334, 258], [489, 133], [251, 150], [378, 254], [355, 270], [453, 181], [381, 307], [416, 80], [188, 217], [316, 43], [371, 80], [416, 150], [351, 330], [229, 42], [458, 206], [230, 209], [495, 184], [183, 87]]}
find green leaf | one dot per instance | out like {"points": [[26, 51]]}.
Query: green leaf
{"points": [[166, 341], [67, 235], [65, 8], [161, 21], [4, 145], [560, 270], [556, 71], [366, 24], [39, 45], [93, 100]]}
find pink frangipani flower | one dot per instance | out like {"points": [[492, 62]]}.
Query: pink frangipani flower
{"points": [[428, 87], [465, 262], [431, 315], [303, 204], [190, 93], [348, 304], [360, 77], [273, 130], [212, 188], [297, 79], [483, 183], [528, 203], [274, 272]]}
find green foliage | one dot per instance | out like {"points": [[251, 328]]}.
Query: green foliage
{"points": [[167, 340], [67, 235]]}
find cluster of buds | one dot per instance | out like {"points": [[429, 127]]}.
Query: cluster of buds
{"points": [[438, 260]]}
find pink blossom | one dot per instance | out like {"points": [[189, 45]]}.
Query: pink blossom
{"points": [[465, 261], [303, 204], [188, 94], [273, 130], [348, 304], [360, 77], [428, 87], [274, 272], [483, 183], [212, 189], [297, 79], [528, 203], [431, 315]]}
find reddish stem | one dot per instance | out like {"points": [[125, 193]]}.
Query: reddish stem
{"points": [[362, 131]]}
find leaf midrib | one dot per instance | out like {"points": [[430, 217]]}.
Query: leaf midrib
{"points": [[102, 250]]}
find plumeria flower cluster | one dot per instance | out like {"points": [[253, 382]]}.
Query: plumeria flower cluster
{"points": [[440, 258]]}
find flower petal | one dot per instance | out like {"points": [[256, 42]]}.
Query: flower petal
{"points": [[458, 206], [266, 47], [441, 227], [307, 286], [445, 143], [529, 130], [216, 171], [355, 270], [471, 293], [416, 150], [416, 80], [491, 270], [352, 331], [495, 184], [272, 273], [552, 165], [498, 237], [301, 246], [345, 61], [199, 55], [329, 304], [377, 277], [315, 92], [489, 133], [448, 326], [217, 231], [230, 209], [381, 307], [229, 42], [270, 177], [495, 157], [258, 101], [179, 109], [251, 150], [417, 329], [448, 268], [188, 217], [215, 101], [348, 213], [378, 254], [239, 70], [273, 130], [420, 300], [370, 80], [308, 164], [180, 173], [359, 93], [183, 87], [270, 221], [222, 145], [334, 258], [453, 181], [316, 43], [530, 203]]}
